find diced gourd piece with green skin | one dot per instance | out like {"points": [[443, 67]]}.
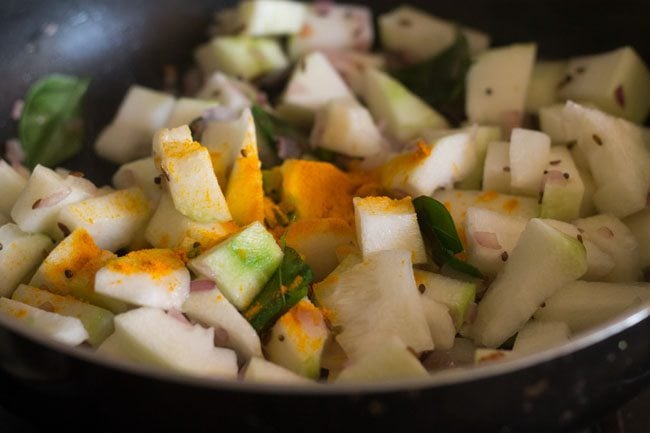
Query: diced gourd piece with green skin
{"points": [[271, 18], [543, 261], [70, 269], [441, 325], [317, 240], [599, 263], [346, 127], [583, 305], [456, 295], [297, 340], [430, 166], [403, 113], [152, 278], [313, 84], [187, 168], [639, 225], [458, 202], [483, 355], [497, 85], [618, 158], [373, 300], [564, 190], [142, 112], [46, 193], [168, 228], [20, 256], [211, 308], [614, 238], [12, 185], [389, 360], [97, 321], [333, 27], [112, 219], [496, 170], [66, 330], [483, 136], [240, 56], [489, 237], [385, 224], [416, 36], [529, 156], [141, 173], [241, 265], [245, 190], [536, 336], [186, 110], [181, 347], [259, 370], [544, 83], [617, 82]]}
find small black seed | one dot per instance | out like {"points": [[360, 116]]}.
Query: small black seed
{"points": [[504, 256], [422, 288], [157, 180], [281, 337], [566, 175], [64, 229], [68, 273], [556, 162], [506, 169], [597, 139]]}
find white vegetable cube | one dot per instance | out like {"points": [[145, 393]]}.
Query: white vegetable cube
{"points": [[186, 110], [543, 86], [564, 190], [333, 27], [390, 360], [297, 340], [66, 330], [112, 219], [211, 308], [46, 193], [187, 168], [403, 113], [417, 36], [441, 325], [312, 85], [143, 111], [70, 270], [240, 56], [431, 166], [583, 305], [242, 264], [347, 128], [529, 156], [12, 185], [141, 173], [491, 236], [317, 240], [152, 278], [181, 347], [617, 81], [262, 371], [168, 228], [270, 18], [20, 255], [497, 85], [454, 294], [97, 321], [543, 261], [374, 300], [385, 224], [614, 238], [639, 225], [496, 170], [618, 159], [537, 336]]}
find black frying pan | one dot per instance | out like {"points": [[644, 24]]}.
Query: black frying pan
{"points": [[120, 42]]}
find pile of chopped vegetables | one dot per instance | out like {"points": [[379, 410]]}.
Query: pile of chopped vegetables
{"points": [[389, 214]]}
